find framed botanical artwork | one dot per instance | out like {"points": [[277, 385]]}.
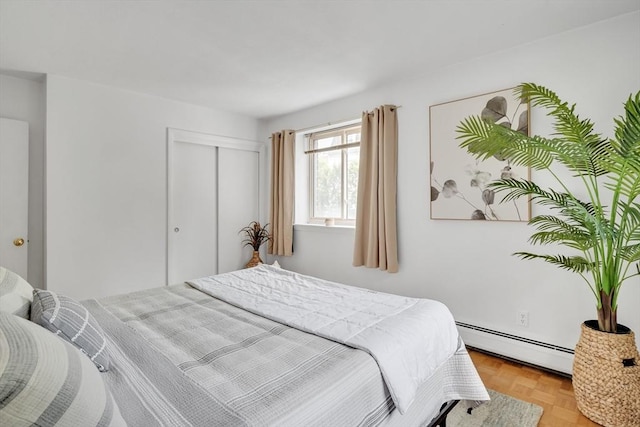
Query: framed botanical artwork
{"points": [[459, 180]]}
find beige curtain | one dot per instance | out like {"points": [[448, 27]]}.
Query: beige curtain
{"points": [[282, 190], [376, 243]]}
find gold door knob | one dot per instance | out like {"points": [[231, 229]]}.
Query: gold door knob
{"points": [[19, 241]]}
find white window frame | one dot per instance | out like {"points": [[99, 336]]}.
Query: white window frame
{"points": [[310, 139]]}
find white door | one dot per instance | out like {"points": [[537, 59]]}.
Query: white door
{"points": [[214, 190], [238, 204], [14, 195], [192, 237]]}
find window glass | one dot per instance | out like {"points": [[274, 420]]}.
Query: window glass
{"points": [[327, 184], [327, 142], [334, 157], [353, 161]]}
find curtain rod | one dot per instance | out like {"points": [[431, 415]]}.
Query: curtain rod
{"points": [[335, 122]]}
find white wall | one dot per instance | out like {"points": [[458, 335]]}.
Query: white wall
{"points": [[467, 264], [24, 99], [106, 183]]}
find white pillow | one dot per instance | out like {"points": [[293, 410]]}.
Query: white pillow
{"points": [[276, 264], [15, 294]]}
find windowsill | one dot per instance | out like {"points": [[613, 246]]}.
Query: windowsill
{"points": [[320, 228]]}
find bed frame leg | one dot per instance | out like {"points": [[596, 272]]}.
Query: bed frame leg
{"points": [[441, 419]]}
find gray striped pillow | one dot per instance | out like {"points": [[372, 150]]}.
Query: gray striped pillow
{"points": [[45, 381], [71, 320], [15, 294]]}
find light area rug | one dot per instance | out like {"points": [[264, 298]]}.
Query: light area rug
{"points": [[500, 411]]}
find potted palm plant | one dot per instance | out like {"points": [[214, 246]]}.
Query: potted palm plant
{"points": [[255, 236], [601, 231]]}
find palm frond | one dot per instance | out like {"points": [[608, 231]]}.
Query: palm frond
{"points": [[485, 140], [517, 188], [623, 173], [631, 210], [591, 162], [630, 230], [552, 229], [574, 241], [627, 131], [549, 222], [566, 121], [576, 264], [630, 253], [581, 148]]}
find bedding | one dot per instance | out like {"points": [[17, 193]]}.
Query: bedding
{"points": [[46, 381], [71, 321], [15, 294], [408, 337], [180, 356]]}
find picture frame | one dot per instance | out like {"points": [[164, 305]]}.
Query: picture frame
{"points": [[459, 180]]}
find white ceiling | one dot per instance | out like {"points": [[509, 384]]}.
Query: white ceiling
{"points": [[266, 58]]}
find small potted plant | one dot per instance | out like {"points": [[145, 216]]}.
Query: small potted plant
{"points": [[255, 236], [601, 232]]}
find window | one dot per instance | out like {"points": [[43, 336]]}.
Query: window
{"points": [[334, 157]]}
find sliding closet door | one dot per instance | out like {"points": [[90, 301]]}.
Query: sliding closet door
{"points": [[214, 189], [238, 204], [193, 210]]}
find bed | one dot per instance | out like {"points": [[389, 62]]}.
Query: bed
{"points": [[270, 347]]}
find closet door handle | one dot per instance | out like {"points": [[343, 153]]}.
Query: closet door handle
{"points": [[19, 241]]}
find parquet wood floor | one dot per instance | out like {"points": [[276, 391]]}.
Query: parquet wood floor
{"points": [[553, 392]]}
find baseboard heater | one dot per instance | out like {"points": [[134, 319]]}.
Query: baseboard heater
{"points": [[540, 354]]}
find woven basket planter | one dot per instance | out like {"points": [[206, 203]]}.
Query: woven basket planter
{"points": [[606, 376]]}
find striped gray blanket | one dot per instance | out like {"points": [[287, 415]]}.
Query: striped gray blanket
{"points": [[180, 357]]}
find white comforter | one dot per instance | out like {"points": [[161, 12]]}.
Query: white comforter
{"points": [[408, 337]]}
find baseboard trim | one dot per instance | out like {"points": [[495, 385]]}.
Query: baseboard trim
{"points": [[541, 355], [519, 362]]}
